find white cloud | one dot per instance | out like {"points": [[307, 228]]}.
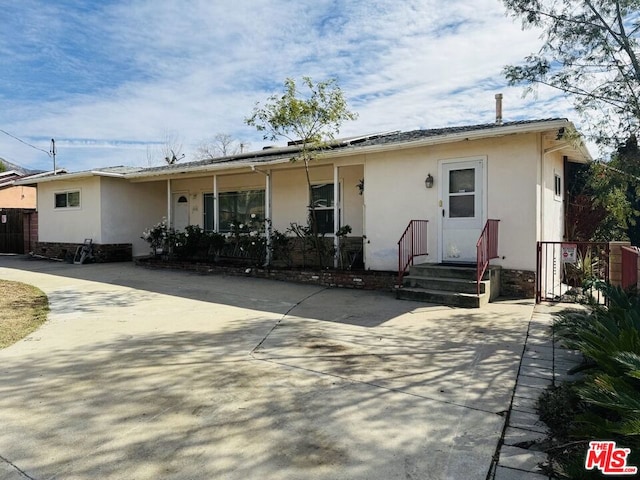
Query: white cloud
{"points": [[198, 68]]}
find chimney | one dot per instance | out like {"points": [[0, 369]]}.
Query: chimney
{"points": [[498, 109]]}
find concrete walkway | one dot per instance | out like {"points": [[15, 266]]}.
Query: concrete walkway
{"points": [[544, 363], [159, 374]]}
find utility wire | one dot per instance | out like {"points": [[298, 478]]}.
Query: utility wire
{"points": [[26, 143]]}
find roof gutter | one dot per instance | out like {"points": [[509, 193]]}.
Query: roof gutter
{"points": [[206, 168], [68, 176]]}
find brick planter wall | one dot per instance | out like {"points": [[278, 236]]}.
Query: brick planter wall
{"points": [[30, 228], [351, 253], [366, 280], [517, 283], [103, 253]]}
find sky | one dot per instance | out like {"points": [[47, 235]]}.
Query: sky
{"points": [[114, 81]]}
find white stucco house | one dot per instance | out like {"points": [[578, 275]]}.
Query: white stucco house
{"points": [[512, 172]]}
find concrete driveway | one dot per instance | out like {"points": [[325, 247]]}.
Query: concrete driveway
{"points": [[143, 374]]}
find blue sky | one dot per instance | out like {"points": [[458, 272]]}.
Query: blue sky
{"points": [[112, 81]]}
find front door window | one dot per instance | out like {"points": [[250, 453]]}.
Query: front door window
{"points": [[462, 196], [462, 213]]}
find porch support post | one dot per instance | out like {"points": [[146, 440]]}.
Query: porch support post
{"points": [[169, 202], [267, 215], [336, 215], [216, 210]]}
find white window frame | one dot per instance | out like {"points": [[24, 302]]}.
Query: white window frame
{"points": [[66, 193], [214, 204], [217, 202], [332, 208], [557, 185]]}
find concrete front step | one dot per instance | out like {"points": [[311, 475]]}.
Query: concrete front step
{"points": [[452, 299], [446, 271], [445, 284], [453, 285]]}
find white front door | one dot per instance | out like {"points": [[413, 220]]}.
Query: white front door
{"points": [[180, 214], [462, 194]]}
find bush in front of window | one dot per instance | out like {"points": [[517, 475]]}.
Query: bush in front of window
{"points": [[196, 243], [157, 237]]}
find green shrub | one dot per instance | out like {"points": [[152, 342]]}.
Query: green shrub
{"points": [[605, 404]]}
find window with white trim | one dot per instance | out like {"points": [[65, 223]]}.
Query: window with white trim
{"points": [[209, 215], [237, 208], [323, 203], [557, 185], [70, 199]]}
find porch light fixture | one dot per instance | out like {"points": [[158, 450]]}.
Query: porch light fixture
{"points": [[428, 182]]}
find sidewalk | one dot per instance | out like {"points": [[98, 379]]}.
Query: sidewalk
{"points": [[543, 363]]}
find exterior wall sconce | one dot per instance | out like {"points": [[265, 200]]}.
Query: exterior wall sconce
{"points": [[428, 182]]}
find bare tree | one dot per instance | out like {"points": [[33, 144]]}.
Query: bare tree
{"points": [[168, 150], [220, 145]]}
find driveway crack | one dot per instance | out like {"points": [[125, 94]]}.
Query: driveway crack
{"points": [[16, 468], [284, 315]]}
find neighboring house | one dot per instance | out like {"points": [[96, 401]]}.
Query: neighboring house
{"points": [[15, 196], [513, 172], [18, 222]]}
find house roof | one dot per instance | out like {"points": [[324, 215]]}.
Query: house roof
{"points": [[382, 141], [62, 174], [12, 173], [7, 178]]}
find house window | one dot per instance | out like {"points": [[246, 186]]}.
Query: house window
{"points": [[323, 203], [67, 199], [209, 216], [557, 181], [240, 208]]}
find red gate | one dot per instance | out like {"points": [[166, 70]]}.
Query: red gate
{"points": [[565, 270]]}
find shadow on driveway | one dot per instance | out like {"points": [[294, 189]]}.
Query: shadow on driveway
{"points": [[191, 376]]}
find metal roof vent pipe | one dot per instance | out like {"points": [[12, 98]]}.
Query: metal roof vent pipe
{"points": [[498, 109]]}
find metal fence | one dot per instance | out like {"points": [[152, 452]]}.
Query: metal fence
{"points": [[565, 271]]}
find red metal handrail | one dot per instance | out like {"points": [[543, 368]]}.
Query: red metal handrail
{"points": [[486, 248], [629, 266], [412, 243]]}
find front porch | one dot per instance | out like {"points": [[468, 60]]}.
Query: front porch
{"points": [[272, 204]]}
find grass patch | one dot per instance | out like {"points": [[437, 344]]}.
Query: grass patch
{"points": [[23, 308]]}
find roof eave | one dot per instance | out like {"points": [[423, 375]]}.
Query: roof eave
{"points": [[67, 176], [214, 167]]}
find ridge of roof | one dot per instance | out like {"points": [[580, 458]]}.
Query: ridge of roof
{"points": [[273, 155], [380, 138], [435, 132]]}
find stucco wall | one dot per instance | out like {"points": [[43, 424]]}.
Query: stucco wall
{"points": [[127, 209], [20, 196], [395, 193], [513, 163], [553, 217], [71, 225]]}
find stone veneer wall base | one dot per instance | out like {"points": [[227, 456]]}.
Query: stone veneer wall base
{"points": [[517, 283], [365, 280], [103, 253]]}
